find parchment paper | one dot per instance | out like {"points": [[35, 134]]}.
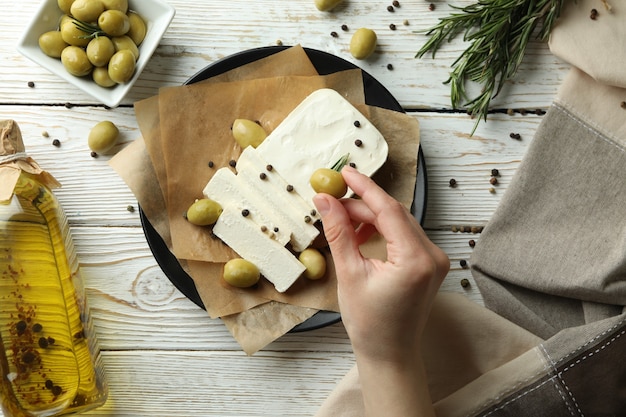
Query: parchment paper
{"points": [[185, 127]]}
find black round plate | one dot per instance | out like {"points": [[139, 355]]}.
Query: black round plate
{"points": [[375, 95]]}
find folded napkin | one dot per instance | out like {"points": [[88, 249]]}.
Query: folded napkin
{"points": [[551, 261]]}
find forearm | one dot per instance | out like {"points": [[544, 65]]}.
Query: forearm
{"points": [[394, 388]]}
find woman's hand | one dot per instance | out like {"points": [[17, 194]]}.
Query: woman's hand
{"points": [[384, 303]]}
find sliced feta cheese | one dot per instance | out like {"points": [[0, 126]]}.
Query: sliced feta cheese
{"points": [[288, 206], [275, 262], [229, 189], [317, 133]]}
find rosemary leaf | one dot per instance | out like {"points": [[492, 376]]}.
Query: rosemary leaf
{"points": [[498, 32]]}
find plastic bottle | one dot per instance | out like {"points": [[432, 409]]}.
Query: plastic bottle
{"points": [[49, 358]]}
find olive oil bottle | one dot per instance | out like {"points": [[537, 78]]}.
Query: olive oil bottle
{"points": [[49, 358]]}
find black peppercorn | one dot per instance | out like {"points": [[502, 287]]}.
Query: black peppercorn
{"points": [[334, 34], [515, 136], [392, 26], [51, 340], [396, 3], [263, 175], [452, 182], [431, 7], [232, 163], [472, 243], [276, 230], [57, 390], [593, 14], [344, 28], [93, 154], [56, 143], [358, 143], [307, 219], [465, 283], [37, 327], [313, 212], [493, 181], [495, 172], [211, 164], [43, 342], [31, 84], [269, 167], [463, 263], [264, 229], [289, 188], [390, 8], [389, 67], [20, 326], [245, 212], [68, 105], [130, 208], [49, 384], [352, 164], [357, 123]]}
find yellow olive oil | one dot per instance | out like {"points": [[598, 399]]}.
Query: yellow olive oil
{"points": [[49, 359]]}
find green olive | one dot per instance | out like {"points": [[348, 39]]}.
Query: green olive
{"points": [[101, 77], [241, 273], [204, 212], [325, 5], [100, 50], [314, 262], [138, 29], [75, 61], [114, 22], [328, 181], [86, 10], [65, 5], [72, 35], [363, 43], [121, 5], [125, 42], [248, 133], [122, 66], [52, 43], [103, 136]]}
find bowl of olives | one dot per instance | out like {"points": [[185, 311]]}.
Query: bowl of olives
{"points": [[99, 46]]}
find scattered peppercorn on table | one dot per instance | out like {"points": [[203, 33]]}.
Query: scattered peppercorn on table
{"points": [[163, 355]]}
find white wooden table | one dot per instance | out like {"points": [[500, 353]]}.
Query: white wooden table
{"points": [[163, 355]]}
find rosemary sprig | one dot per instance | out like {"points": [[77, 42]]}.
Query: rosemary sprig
{"points": [[498, 32], [92, 31]]}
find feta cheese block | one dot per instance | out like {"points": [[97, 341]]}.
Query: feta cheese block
{"points": [[230, 190], [275, 262], [268, 203], [317, 133], [288, 206]]}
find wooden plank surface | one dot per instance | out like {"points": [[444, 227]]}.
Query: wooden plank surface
{"points": [[163, 355]]}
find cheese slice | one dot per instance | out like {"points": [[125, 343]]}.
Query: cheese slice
{"points": [[317, 133], [230, 190], [288, 206], [275, 262]]}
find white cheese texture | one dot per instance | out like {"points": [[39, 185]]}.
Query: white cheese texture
{"points": [[277, 202]]}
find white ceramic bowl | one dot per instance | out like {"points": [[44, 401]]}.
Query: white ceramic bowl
{"points": [[156, 13]]}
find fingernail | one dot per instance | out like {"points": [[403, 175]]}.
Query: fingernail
{"points": [[321, 203], [349, 168]]}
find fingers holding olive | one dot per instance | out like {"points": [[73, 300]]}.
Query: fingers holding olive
{"points": [[328, 181]]}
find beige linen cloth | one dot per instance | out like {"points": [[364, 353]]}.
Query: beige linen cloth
{"points": [[551, 263]]}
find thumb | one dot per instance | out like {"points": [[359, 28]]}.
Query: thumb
{"points": [[338, 229]]}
